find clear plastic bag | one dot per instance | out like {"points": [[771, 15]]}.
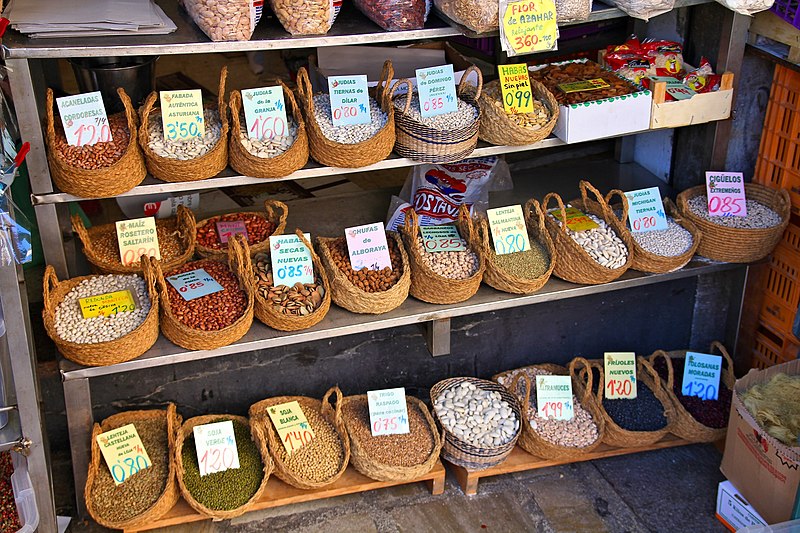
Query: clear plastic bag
{"points": [[306, 17], [395, 15], [225, 20], [478, 15]]}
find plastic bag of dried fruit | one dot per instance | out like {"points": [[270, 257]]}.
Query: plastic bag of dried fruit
{"points": [[478, 15], [306, 17], [225, 20], [395, 15]]}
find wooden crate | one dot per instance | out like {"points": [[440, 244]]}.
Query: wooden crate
{"points": [[698, 109]]}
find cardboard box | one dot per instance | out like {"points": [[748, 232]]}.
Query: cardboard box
{"points": [[733, 510], [765, 471], [698, 109]]}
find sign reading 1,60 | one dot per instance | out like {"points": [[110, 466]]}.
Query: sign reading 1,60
{"points": [[182, 130], [266, 128]]}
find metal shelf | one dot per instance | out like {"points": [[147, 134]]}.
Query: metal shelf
{"points": [[11, 435]]}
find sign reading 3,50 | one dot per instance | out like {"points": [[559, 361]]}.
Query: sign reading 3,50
{"points": [[182, 114]]}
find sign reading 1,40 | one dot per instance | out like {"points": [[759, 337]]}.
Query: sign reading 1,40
{"points": [[297, 439]]}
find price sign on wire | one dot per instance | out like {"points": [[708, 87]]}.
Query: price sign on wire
{"points": [[182, 114], [228, 228], [554, 397], [216, 447], [194, 284], [515, 83], [726, 196], [137, 237], [291, 260], [388, 413], [507, 225], [576, 219], [528, 26], [292, 425], [701, 375], [437, 90], [620, 375], [107, 304], [349, 100], [84, 119], [443, 238], [646, 210], [265, 112], [367, 247], [123, 452]]}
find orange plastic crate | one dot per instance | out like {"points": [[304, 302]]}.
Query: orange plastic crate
{"points": [[772, 348], [791, 237]]}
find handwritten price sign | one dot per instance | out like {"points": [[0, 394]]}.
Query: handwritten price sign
{"points": [[265, 112], [509, 234], [123, 452], [107, 304], [367, 247], [444, 238], [194, 284], [620, 375], [437, 90], [388, 413], [529, 26], [215, 445], [515, 83], [646, 210], [137, 237], [554, 397], [229, 228], [291, 260], [576, 219], [701, 375], [349, 100], [84, 119], [292, 425], [182, 114], [726, 194]]}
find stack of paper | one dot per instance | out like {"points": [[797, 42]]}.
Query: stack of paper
{"points": [[88, 18]]}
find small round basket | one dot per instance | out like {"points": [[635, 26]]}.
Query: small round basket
{"points": [[497, 126], [275, 212]]}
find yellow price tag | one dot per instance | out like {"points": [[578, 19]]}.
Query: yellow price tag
{"points": [[586, 85], [620, 375], [576, 219], [182, 114], [124, 452], [292, 425], [516, 86], [107, 304], [530, 25], [137, 237]]}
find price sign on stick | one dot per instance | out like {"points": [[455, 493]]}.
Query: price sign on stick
{"points": [[291, 260], [137, 237], [507, 225], [515, 84], [576, 219], [437, 90], [292, 425], [726, 194], [123, 452], [107, 304], [216, 447], [646, 210], [229, 228], [620, 375], [367, 247], [265, 112], [84, 119], [194, 284], [182, 114], [529, 26], [554, 397], [349, 100], [443, 238], [388, 413], [701, 375]]}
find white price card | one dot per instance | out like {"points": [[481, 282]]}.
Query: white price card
{"points": [[216, 447], [291, 260], [367, 247], [388, 413], [194, 284], [124, 452], [507, 225], [619, 371], [701, 375], [442, 238], [646, 210], [349, 100], [437, 90], [554, 397], [726, 194], [84, 119], [265, 112], [182, 114]]}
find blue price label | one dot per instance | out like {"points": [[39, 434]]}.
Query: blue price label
{"points": [[646, 210], [194, 284], [701, 375], [437, 90], [291, 260], [349, 100]]}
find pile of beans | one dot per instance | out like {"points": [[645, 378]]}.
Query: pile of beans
{"points": [[269, 147], [72, 327], [350, 134], [710, 413], [671, 242], [579, 432], [118, 503], [759, 216], [534, 120], [453, 265], [365, 279], [530, 264], [298, 299], [479, 417], [100, 155], [258, 230], [464, 116], [643, 413], [320, 459], [106, 247], [184, 149], [602, 243], [222, 21], [214, 311], [232, 488], [409, 449]]}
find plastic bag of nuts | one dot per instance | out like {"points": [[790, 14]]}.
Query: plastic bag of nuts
{"points": [[290, 308], [251, 164], [176, 240], [176, 161], [478, 15], [101, 170], [216, 319], [230, 20], [395, 15], [553, 75], [501, 128], [306, 17], [259, 227], [366, 291], [146, 495], [324, 459]]}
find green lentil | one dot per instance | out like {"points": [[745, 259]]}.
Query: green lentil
{"points": [[228, 490], [320, 459], [529, 264]]}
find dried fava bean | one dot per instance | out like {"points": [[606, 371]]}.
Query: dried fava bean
{"points": [[258, 230], [106, 247], [223, 21], [232, 488], [350, 134], [99, 155], [298, 299], [213, 311], [465, 115], [602, 243], [320, 459], [643, 413], [118, 503], [479, 417], [268, 147], [365, 279], [710, 413], [453, 265], [530, 264], [409, 449], [184, 149], [305, 17], [72, 327], [534, 120], [759, 216]]}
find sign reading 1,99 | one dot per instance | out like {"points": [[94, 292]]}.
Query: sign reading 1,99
{"points": [[349, 100], [182, 114], [124, 452]]}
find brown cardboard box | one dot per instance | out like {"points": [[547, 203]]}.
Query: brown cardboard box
{"points": [[764, 470]]}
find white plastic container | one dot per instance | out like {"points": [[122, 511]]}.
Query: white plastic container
{"points": [[24, 496]]}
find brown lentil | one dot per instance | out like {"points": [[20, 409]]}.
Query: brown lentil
{"points": [[100, 155], [453, 265], [529, 264], [213, 311], [170, 243], [298, 299], [321, 458], [258, 229], [365, 279]]}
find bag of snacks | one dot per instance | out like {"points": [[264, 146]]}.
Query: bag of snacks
{"points": [[478, 15], [703, 79], [667, 56], [230, 20], [104, 169], [747, 7], [501, 128], [644, 9], [553, 75], [395, 15], [306, 17], [259, 226]]}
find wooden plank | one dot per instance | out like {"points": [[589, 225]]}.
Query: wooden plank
{"points": [[279, 493], [519, 461], [770, 25]]}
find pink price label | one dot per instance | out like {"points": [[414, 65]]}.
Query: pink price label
{"points": [[226, 230], [726, 197]]}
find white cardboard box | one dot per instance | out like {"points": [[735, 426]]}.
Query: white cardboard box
{"points": [[733, 510]]}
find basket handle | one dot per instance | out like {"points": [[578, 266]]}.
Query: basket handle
{"points": [[277, 209], [781, 197], [186, 225], [411, 223], [304, 89], [466, 220], [289, 95], [173, 425], [50, 283], [162, 284], [717, 345], [235, 105], [240, 263], [314, 256], [83, 234], [144, 118], [586, 188], [625, 205], [533, 208], [526, 381], [482, 228], [587, 367], [149, 279], [560, 202], [670, 369], [49, 120], [382, 90], [409, 92], [130, 112], [652, 371], [223, 76], [462, 85], [337, 408]]}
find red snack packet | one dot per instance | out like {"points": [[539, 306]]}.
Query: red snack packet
{"points": [[668, 57], [703, 79]]}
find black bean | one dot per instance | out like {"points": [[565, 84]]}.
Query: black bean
{"points": [[643, 413], [710, 413]]}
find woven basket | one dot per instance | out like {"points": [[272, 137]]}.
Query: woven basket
{"points": [[686, 426], [428, 286], [122, 176], [374, 469], [167, 499], [183, 224], [196, 339], [260, 417], [279, 166], [335, 154], [123, 349], [419, 142], [573, 263], [497, 128], [739, 245], [461, 453], [275, 211], [263, 307], [256, 434], [502, 280], [614, 434], [200, 168], [345, 294], [529, 439]]}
